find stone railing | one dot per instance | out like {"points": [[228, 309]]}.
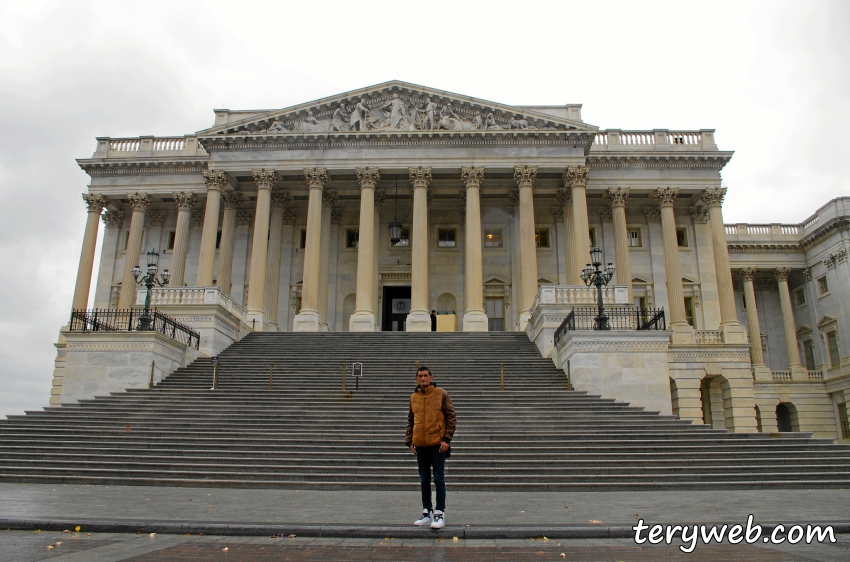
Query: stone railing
{"points": [[736, 233], [148, 146], [576, 295], [708, 337], [191, 296], [657, 139], [815, 375], [838, 207], [781, 376]]}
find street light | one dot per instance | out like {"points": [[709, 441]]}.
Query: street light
{"points": [[593, 275], [149, 280]]}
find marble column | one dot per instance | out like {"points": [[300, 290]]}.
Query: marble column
{"points": [[419, 318], [140, 203], [565, 198], [622, 261], [756, 352], [683, 333], [279, 200], [474, 317], [185, 204], [215, 180], [525, 176], [732, 330], [95, 203], [232, 199], [265, 180], [798, 372], [363, 318], [576, 176], [329, 199], [308, 319]]}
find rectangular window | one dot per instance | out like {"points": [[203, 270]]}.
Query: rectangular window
{"points": [[845, 420], [800, 296], [823, 286], [303, 241], [446, 238], [404, 239], [682, 237], [218, 240], [592, 234], [496, 314], [634, 238], [832, 344], [171, 237], [809, 352], [352, 238], [493, 238], [541, 237], [689, 310]]}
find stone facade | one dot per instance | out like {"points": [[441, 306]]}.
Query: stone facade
{"points": [[286, 214]]}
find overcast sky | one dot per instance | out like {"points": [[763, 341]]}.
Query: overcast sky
{"points": [[772, 78]]}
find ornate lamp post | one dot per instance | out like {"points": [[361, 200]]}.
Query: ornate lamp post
{"points": [[395, 225], [593, 275], [149, 280]]}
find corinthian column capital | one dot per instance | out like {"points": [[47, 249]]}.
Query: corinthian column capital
{"points": [[233, 199], [316, 177], [564, 197], [216, 180], [576, 176], [713, 196], [617, 197], [525, 175], [368, 177], [420, 177], [281, 198], [472, 177], [140, 201], [265, 179], [666, 196], [112, 218], [185, 201], [782, 273], [699, 214], [329, 197], [95, 202], [747, 273]]}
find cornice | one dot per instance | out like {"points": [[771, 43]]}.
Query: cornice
{"points": [[762, 248], [836, 224], [132, 167], [709, 160]]}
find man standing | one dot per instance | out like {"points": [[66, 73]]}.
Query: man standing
{"points": [[433, 320], [431, 424]]}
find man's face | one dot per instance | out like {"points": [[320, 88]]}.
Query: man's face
{"points": [[424, 379]]}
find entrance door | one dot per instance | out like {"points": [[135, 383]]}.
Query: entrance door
{"points": [[495, 314], [396, 305]]}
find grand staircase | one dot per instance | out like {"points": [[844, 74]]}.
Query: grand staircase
{"points": [[307, 431]]}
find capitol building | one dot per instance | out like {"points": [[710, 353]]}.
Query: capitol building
{"points": [[365, 211]]}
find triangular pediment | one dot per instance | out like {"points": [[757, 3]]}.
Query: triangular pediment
{"points": [[394, 107]]}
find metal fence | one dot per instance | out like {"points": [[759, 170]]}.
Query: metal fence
{"points": [[618, 319], [114, 320]]}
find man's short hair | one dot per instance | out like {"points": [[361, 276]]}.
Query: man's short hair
{"points": [[424, 368]]}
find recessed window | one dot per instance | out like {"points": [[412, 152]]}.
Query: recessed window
{"points": [[823, 286], [404, 238], [541, 237], [495, 314], [809, 352], [634, 238], [126, 240], [218, 240], [303, 241], [800, 296], [689, 310], [682, 237], [845, 420], [592, 234], [493, 238], [171, 237], [446, 238], [832, 344], [352, 238]]}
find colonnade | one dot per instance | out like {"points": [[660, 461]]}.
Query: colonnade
{"points": [[267, 240]]}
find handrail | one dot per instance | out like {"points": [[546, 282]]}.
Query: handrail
{"points": [[618, 319], [113, 320]]}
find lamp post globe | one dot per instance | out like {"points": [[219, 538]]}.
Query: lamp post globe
{"points": [[149, 280], [592, 274]]}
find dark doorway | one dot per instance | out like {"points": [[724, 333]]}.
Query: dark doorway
{"points": [[396, 306], [783, 418]]}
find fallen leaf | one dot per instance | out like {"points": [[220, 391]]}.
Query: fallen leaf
{"points": [[50, 547], [66, 531], [545, 539], [636, 515], [454, 539], [127, 429], [187, 534], [562, 555], [57, 543], [292, 536], [38, 530], [522, 512], [566, 506], [383, 544], [225, 549], [147, 499], [88, 534], [200, 534], [77, 528], [539, 552], [153, 535], [466, 525], [594, 521]]}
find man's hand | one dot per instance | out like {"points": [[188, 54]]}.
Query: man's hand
{"points": [[444, 447], [412, 448]]}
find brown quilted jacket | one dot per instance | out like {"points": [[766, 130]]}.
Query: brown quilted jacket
{"points": [[431, 418]]}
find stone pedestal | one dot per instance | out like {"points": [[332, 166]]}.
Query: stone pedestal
{"points": [[475, 321]]}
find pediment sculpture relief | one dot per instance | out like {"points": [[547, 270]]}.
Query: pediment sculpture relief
{"points": [[398, 113]]}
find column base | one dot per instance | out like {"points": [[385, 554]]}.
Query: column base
{"points": [[798, 373], [475, 321], [683, 334], [306, 321], [733, 332], [256, 319], [323, 327], [418, 321], [762, 374], [363, 321]]}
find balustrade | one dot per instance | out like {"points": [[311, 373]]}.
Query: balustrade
{"points": [[781, 376], [709, 337]]}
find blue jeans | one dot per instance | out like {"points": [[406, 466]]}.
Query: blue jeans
{"points": [[428, 458]]}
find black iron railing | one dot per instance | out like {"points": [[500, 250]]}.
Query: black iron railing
{"points": [[618, 319], [113, 320]]}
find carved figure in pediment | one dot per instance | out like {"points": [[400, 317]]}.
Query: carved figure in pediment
{"points": [[477, 122], [340, 119], [450, 121], [398, 113], [310, 124], [428, 114], [490, 122], [278, 127], [518, 123], [357, 122]]}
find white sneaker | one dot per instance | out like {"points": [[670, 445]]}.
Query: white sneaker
{"points": [[439, 520], [425, 519]]}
